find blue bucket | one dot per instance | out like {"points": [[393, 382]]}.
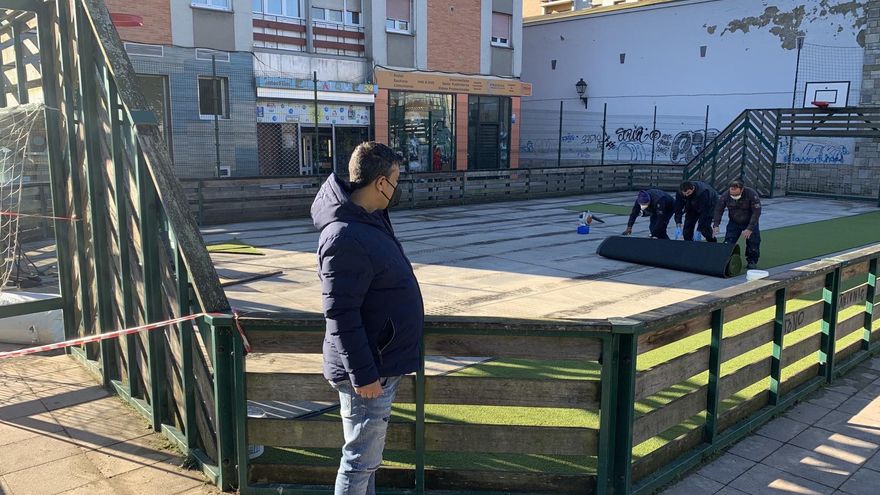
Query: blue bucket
{"points": [[583, 229]]}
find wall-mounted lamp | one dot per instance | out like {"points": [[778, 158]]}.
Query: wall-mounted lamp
{"points": [[581, 88]]}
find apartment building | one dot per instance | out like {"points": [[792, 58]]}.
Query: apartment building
{"points": [[194, 62], [437, 81]]}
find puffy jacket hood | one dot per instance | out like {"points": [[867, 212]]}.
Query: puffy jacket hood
{"points": [[333, 203]]}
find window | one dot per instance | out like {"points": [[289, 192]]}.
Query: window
{"points": [[209, 55], [501, 29], [212, 4], [353, 10], [353, 18], [398, 15], [285, 8], [327, 15], [213, 97]]}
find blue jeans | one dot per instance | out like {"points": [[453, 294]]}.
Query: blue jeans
{"points": [[364, 423], [753, 243]]}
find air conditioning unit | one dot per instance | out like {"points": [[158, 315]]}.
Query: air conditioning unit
{"points": [[225, 171]]}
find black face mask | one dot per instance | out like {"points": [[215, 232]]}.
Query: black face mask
{"points": [[394, 200]]}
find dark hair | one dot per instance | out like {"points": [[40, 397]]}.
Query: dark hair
{"points": [[686, 186], [736, 183], [369, 161]]}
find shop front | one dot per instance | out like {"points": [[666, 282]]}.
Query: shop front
{"points": [[290, 143], [441, 123]]}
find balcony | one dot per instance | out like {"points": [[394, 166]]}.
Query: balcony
{"points": [[288, 33]]}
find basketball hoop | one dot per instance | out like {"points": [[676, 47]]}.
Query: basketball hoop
{"points": [[127, 20], [820, 104]]}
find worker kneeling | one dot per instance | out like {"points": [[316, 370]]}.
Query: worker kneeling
{"points": [[695, 201], [657, 205]]}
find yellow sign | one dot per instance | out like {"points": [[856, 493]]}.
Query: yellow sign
{"points": [[434, 83]]}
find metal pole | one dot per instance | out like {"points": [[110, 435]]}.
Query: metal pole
{"points": [[217, 89], [604, 135], [654, 141], [315, 146], [797, 69], [559, 137], [430, 165]]}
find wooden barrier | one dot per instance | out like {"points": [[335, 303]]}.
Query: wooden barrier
{"points": [[224, 200]]}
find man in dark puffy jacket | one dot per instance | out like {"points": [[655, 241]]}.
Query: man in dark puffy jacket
{"points": [[372, 305], [696, 201], [743, 210], [656, 204]]}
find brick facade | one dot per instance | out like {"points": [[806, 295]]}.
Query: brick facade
{"points": [[454, 36], [157, 20]]}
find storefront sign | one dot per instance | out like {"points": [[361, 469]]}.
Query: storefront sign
{"points": [[293, 83], [435, 83], [276, 112]]}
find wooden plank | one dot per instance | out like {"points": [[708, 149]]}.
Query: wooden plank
{"points": [[851, 325], [794, 353], [466, 480], [855, 270], [659, 338], [667, 374], [509, 439], [807, 286], [669, 415], [743, 410], [746, 308], [514, 346], [320, 433], [744, 377], [747, 341], [803, 317], [582, 394], [439, 437], [799, 379], [666, 454]]}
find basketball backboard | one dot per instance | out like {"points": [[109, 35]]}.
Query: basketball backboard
{"points": [[834, 93]]}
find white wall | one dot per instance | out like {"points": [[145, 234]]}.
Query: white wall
{"points": [[663, 65], [747, 65]]}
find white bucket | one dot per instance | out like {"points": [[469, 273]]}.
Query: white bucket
{"points": [[756, 275]]}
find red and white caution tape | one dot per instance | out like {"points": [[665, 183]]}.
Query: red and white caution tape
{"points": [[48, 217], [103, 336], [244, 339]]}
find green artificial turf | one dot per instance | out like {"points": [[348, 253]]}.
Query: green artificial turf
{"points": [[606, 208], [234, 246], [809, 240]]}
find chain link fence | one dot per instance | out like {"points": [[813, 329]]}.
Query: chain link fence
{"points": [[559, 134]]}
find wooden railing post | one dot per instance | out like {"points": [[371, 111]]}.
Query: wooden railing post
{"points": [[617, 404], [714, 394], [869, 304], [778, 345], [830, 294]]}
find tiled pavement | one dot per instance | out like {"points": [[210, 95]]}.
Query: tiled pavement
{"points": [[61, 433], [827, 445]]}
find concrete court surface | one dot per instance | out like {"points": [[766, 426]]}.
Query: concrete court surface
{"points": [[60, 432], [518, 259]]}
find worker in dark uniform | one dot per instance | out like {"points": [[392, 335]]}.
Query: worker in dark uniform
{"points": [[657, 205], [743, 210], [695, 201]]}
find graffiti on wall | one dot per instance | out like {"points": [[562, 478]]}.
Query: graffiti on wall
{"points": [[632, 144], [817, 151]]}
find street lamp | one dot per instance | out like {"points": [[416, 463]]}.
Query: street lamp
{"points": [[581, 88]]}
